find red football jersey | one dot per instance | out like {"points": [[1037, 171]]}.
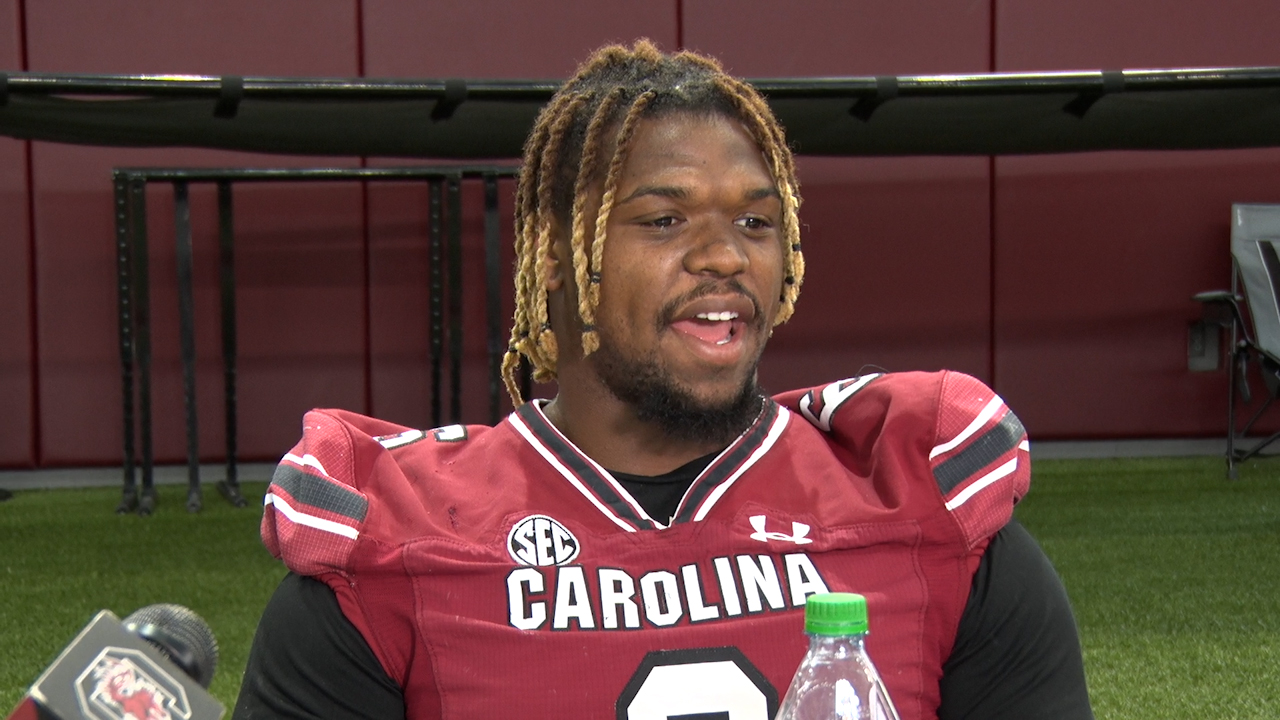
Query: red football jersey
{"points": [[500, 571]]}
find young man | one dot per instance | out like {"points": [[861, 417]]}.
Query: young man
{"points": [[642, 545]]}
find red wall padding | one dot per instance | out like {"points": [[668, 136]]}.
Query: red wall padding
{"points": [[1062, 280], [1097, 255], [17, 418], [300, 252]]}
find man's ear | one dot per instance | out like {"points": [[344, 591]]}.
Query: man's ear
{"points": [[559, 259]]}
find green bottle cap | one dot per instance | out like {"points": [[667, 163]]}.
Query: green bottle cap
{"points": [[837, 613]]}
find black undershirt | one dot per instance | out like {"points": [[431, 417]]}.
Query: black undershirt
{"points": [[1016, 655], [660, 495]]}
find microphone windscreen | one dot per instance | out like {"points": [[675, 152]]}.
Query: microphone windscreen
{"points": [[180, 635]]}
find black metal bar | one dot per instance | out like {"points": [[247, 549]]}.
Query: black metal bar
{"points": [[208, 86], [1261, 444], [134, 301], [454, 185], [230, 486], [493, 294], [124, 306], [187, 337], [227, 284], [381, 174], [142, 343], [435, 298], [1234, 362], [267, 87]]}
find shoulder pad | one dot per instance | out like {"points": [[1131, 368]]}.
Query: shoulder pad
{"points": [[980, 458], [313, 511]]}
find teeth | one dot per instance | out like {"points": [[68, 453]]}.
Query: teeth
{"points": [[725, 316]]}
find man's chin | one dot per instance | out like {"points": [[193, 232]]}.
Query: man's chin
{"points": [[684, 416], [714, 410]]}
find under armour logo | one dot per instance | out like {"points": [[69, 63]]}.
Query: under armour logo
{"points": [[797, 536]]}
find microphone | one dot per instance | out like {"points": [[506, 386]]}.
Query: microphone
{"points": [[154, 665]]}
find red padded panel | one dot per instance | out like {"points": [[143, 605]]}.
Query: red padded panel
{"points": [[1093, 34], [765, 38], [17, 421], [300, 294], [1098, 254], [898, 255], [1097, 258], [399, 282], [300, 259], [241, 37], [504, 39]]}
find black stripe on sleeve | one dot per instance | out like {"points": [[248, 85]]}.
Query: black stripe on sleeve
{"points": [[319, 493], [995, 442]]}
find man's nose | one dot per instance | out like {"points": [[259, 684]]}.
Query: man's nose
{"points": [[717, 249]]}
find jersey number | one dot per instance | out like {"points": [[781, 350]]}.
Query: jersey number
{"points": [[698, 684]]}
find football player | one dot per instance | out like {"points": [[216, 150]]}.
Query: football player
{"points": [[642, 545]]}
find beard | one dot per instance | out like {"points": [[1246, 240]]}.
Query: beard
{"points": [[645, 385]]}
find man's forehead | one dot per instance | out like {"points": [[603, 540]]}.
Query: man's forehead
{"points": [[686, 140]]}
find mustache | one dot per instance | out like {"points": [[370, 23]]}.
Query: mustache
{"points": [[728, 286]]}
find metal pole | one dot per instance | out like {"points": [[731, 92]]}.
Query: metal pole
{"points": [[124, 306], [493, 294], [142, 325], [187, 338], [455, 298], [435, 297], [229, 487]]}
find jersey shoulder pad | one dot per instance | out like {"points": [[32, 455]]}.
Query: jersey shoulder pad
{"points": [[313, 510], [345, 466], [977, 450], [980, 456]]}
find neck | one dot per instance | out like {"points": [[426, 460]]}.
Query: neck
{"points": [[609, 432]]}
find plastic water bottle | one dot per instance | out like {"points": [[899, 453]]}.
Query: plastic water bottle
{"points": [[836, 680]]}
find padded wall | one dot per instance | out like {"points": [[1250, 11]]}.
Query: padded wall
{"points": [[300, 256], [1098, 254], [17, 438], [898, 249], [1064, 280]]}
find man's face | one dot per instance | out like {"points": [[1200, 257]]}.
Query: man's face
{"points": [[692, 273]]}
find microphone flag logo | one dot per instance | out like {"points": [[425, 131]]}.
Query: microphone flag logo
{"points": [[125, 684]]}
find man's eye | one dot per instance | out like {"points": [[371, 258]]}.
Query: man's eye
{"points": [[754, 223]]}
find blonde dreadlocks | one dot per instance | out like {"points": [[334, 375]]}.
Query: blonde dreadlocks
{"points": [[567, 153]]}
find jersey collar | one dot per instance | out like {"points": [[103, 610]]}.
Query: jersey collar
{"points": [[608, 496]]}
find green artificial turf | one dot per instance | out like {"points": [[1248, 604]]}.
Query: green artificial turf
{"points": [[1174, 575], [66, 555], [1173, 571]]}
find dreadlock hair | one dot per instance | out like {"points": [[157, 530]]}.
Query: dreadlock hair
{"points": [[568, 152]]}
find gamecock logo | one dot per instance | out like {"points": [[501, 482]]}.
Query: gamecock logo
{"points": [[125, 684]]}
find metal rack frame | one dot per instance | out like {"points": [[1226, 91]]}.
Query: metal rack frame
{"points": [[134, 301]]}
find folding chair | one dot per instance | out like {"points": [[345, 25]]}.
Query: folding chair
{"points": [[1255, 254]]}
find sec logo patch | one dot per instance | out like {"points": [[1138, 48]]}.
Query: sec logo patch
{"points": [[541, 541]]}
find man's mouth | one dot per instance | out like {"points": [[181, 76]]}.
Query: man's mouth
{"points": [[716, 328]]}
